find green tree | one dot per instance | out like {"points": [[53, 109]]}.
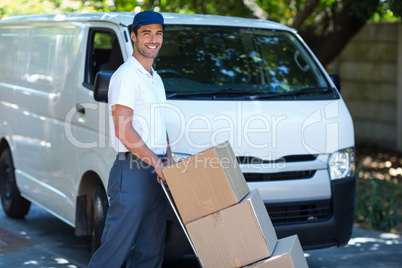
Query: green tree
{"points": [[27, 7], [396, 7], [326, 25]]}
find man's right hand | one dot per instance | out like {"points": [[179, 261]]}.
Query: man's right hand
{"points": [[158, 170]]}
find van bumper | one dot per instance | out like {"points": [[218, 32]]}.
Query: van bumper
{"points": [[334, 231]]}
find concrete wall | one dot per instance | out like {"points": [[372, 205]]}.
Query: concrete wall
{"points": [[370, 69]]}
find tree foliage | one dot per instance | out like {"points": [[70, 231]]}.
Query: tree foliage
{"points": [[396, 7], [326, 25]]}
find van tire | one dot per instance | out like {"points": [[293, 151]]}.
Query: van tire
{"points": [[14, 205], [99, 210]]}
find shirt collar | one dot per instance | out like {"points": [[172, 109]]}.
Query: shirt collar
{"points": [[139, 66]]}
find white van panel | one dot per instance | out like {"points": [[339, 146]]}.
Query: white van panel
{"points": [[36, 95], [315, 188], [265, 129]]}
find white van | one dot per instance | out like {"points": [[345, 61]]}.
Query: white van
{"points": [[254, 83]]}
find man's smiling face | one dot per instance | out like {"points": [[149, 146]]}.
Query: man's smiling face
{"points": [[148, 40]]}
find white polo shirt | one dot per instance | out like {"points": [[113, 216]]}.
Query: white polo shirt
{"points": [[132, 86]]}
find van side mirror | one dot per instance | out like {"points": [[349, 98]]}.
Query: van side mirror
{"points": [[337, 81], [101, 86]]}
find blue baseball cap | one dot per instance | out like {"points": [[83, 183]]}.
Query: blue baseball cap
{"points": [[148, 17]]}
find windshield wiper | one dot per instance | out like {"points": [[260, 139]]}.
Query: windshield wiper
{"points": [[211, 93], [306, 90]]}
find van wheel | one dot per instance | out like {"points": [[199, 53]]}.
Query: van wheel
{"points": [[14, 205], [99, 209]]}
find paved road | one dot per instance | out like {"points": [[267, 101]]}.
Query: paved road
{"points": [[41, 240]]}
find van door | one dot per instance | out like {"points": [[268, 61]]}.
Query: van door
{"points": [[103, 53]]}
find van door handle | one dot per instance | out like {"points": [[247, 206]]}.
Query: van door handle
{"points": [[80, 109], [81, 117]]}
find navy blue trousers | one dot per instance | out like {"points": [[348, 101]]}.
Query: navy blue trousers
{"points": [[135, 225]]}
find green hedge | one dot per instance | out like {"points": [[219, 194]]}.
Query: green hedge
{"points": [[378, 203]]}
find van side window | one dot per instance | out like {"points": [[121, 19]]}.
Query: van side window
{"points": [[103, 54]]}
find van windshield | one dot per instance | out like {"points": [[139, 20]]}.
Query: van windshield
{"points": [[205, 62]]}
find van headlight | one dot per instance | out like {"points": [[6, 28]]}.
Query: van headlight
{"points": [[342, 164], [178, 157]]}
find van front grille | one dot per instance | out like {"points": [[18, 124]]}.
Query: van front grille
{"points": [[282, 214], [280, 176], [284, 159]]}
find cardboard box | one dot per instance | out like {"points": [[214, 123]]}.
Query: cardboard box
{"points": [[288, 253], [206, 182], [235, 236]]}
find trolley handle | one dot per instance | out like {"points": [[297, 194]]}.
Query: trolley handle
{"points": [[172, 204]]}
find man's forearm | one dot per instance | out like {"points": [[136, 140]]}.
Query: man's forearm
{"points": [[129, 137], [134, 143]]}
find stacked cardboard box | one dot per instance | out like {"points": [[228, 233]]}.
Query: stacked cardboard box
{"points": [[206, 182], [235, 236], [288, 253], [228, 225]]}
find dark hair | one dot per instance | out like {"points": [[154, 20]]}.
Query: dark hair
{"points": [[135, 29]]}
